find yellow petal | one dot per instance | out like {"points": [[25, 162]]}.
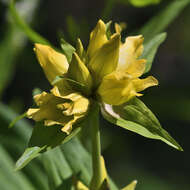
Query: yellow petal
{"points": [[130, 51], [97, 38], [119, 27], [80, 50], [81, 186], [69, 125], [116, 88], [141, 84], [104, 171], [79, 72], [136, 69], [105, 59], [53, 63], [131, 186]]}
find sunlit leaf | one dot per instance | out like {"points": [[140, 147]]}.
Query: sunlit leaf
{"points": [[135, 116]]}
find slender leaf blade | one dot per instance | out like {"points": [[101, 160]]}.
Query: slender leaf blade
{"points": [[160, 21], [31, 34], [150, 49]]}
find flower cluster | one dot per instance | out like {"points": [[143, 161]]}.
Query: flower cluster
{"points": [[107, 72]]}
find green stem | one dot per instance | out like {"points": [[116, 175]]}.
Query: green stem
{"points": [[96, 149]]}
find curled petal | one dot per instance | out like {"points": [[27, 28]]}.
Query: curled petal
{"points": [[97, 38], [105, 59], [80, 50], [53, 63], [69, 125], [130, 51], [77, 107], [142, 84], [47, 109]]}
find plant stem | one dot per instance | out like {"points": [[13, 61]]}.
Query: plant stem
{"points": [[96, 149]]}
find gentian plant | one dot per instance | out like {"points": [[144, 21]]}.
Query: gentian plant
{"points": [[106, 78]]}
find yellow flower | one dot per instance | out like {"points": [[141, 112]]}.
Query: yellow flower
{"points": [[108, 71]]}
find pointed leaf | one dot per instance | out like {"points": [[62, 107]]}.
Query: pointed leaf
{"points": [[17, 119], [136, 117]]}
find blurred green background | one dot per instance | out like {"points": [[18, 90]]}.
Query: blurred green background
{"points": [[128, 156]]}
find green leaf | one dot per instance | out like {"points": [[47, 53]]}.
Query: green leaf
{"points": [[80, 161], [160, 21], [29, 154], [150, 49], [73, 28], [68, 49], [131, 186], [142, 3], [135, 116], [43, 138], [31, 34]]}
